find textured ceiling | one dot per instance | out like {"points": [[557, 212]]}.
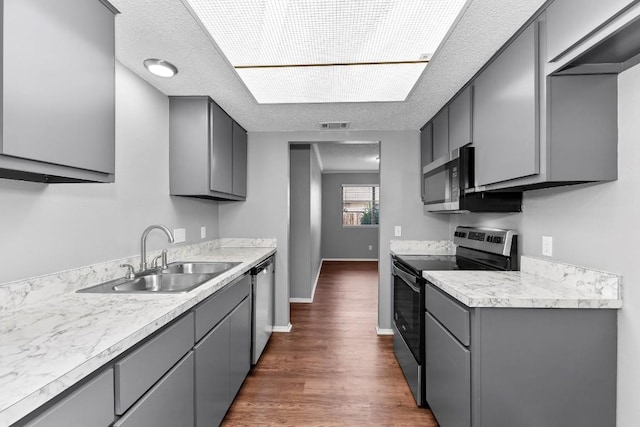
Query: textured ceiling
{"points": [[353, 156], [165, 29]]}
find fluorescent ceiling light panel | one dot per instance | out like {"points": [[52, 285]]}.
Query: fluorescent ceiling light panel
{"points": [[311, 51]]}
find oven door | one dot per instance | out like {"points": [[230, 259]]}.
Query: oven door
{"points": [[408, 308], [408, 326]]}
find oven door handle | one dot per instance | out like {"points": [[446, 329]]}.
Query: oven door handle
{"points": [[409, 278]]}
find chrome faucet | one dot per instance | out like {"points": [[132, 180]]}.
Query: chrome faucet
{"points": [[143, 243]]}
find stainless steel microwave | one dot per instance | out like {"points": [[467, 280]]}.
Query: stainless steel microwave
{"points": [[448, 187]]}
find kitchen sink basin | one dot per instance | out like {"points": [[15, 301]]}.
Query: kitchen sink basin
{"points": [[163, 283], [199, 267], [178, 277]]}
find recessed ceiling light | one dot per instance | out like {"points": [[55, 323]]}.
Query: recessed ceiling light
{"points": [[160, 67], [315, 51]]}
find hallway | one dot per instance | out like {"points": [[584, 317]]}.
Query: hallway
{"points": [[332, 369]]}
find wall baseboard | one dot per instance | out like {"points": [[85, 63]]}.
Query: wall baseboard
{"points": [[381, 331], [300, 300], [282, 329], [349, 259]]}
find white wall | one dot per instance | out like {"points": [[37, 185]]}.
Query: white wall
{"points": [[315, 215], [345, 242], [265, 213], [594, 225], [49, 228]]}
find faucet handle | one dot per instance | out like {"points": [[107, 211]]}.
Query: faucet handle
{"points": [[162, 258], [130, 271]]}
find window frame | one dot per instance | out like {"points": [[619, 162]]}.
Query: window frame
{"points": [[376, 190]]}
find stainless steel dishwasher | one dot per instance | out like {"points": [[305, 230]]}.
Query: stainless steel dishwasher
{"points": [[262, 285]]}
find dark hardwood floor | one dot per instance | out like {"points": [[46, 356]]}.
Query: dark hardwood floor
{"points": [[332, 369]]}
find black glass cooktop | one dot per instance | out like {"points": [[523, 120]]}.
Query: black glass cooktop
{"points": [[429, 262]]}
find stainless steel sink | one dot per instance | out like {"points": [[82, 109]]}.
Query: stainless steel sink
{"points": [[199, 267], [178, 277]]}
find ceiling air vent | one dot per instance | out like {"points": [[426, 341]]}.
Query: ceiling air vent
{"points": [[334, 125]]}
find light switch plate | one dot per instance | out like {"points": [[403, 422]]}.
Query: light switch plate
{"points": [[398, 231], [203, 232], [179, 235], [547, 245]]}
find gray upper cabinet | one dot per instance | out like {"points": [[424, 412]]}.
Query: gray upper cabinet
{"points": [[460, 119], [426, 146], [441, 134], [204, 161], [58, 122], [505, 113], [221, 169], [239, 160], [569, 21]]}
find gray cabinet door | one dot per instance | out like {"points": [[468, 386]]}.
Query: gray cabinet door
{"points": [[221, 155], [426, 146], [448, 376], [239, 160], [460, 119], [213, 396], [505, 114], [441, 134], [568, 21], [143, 367], [90, 405], [58, 86], [169, 403], [239, 345]]}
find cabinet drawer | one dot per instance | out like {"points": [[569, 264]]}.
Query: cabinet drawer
{"points": [[90, 405], [448, 376], [169, 403], [452, 315], [209, 313], [137, 372]]}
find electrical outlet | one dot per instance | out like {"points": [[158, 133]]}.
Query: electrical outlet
{"points": [[398, 231], [179, 235], [370, 247], [203, 232], [547, 245]]}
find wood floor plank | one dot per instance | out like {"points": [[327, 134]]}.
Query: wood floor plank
{"points": [[332, 369]]}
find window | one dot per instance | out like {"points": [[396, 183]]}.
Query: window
{"points": [[360, 205]]}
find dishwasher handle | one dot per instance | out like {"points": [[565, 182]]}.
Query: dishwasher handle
{"points": [[262, 266]]}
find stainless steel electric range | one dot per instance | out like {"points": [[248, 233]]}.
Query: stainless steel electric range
{"points": [[476, 249]]}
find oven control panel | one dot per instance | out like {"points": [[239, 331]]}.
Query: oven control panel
{"points": [[485, 239]]}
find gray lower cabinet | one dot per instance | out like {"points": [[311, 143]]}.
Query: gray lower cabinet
{"points": [[58, 122], [90, 405], [552, 367], [239, 345], [212, 376], [223, 355], [448, 369], [169, 403], [206, 160], [505, 115], [143, 367], [187, 374]]}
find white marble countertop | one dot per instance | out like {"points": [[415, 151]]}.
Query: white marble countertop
{"points": [[47, 347], [540, 284]]}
